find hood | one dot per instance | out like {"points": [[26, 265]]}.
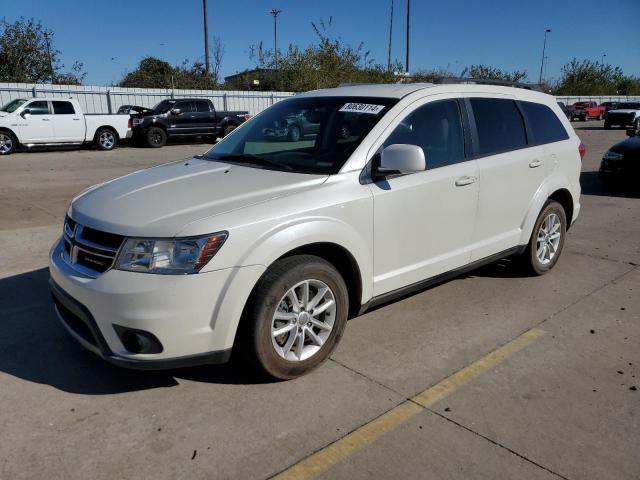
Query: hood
{"points": [[630, 148], [161, 201]]}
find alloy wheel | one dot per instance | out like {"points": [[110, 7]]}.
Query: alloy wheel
{"points": [[548, 239], [6, 143], [303, 320], [107, 140]]}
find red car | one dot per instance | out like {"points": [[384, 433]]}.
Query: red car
{"points": [[592, 108]]}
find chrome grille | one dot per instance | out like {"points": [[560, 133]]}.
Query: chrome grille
{"points": [[89, 251]]}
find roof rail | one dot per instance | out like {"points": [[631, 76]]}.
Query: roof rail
{"points": [[487, 81]]}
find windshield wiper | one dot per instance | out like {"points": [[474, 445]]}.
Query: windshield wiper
{"points": [[251, 158]]}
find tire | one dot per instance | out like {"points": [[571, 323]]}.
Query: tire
{"points": [[106, 139], [294, 133], [8, 143], [156, 137], [583, 119], [279, 357], [228, 129], [607, 126], [530, 260]]}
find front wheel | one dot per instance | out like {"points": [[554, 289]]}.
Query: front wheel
{"points": [[8, 143], [106, 139], [607, 126], [294, 133], [295, 317], [547, 239]]}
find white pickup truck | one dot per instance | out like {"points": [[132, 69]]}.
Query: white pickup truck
{"points": [[45, 121]]}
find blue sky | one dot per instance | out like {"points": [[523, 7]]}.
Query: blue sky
{"points": [[110, 37]]}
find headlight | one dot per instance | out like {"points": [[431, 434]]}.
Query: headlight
{"points": [[175, 256], [612, 155]]}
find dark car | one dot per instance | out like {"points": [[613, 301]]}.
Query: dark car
{"points": [[130, 109], [185, 117], [625, 114], [622, 160], [572, 113]]}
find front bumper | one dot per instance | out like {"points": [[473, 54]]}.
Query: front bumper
{"points": [[194, 317]]}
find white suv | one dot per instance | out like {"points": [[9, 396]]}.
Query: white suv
{"points": [[267, 244]]}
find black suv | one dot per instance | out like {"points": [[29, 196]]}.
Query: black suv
{"points": [[184, 117]]}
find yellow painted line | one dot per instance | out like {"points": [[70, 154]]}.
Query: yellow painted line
{"points": [[324, 459]]}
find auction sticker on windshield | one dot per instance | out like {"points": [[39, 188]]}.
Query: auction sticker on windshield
{"points": [[362, 108]]}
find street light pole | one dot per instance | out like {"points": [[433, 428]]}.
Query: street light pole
{"points": [[275, 12], [544, 47], [206, 37], [390, 35], [408, 18], [603, 55]]}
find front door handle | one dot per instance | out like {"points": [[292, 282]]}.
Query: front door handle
{"points": [[535, 163], [466, 180], [45, 120]]}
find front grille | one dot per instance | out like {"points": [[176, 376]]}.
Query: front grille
{"points": [[88, 250]]}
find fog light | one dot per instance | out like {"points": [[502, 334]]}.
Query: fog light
{"points": [[138, 341]]}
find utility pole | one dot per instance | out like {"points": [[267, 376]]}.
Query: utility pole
{"points": [[275, 12], [408, 21], [48, 41], [206, 37], [544, 47], [390, 36]]}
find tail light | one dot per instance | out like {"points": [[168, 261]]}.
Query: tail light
{"points": [[582, 150], [129, 123]]}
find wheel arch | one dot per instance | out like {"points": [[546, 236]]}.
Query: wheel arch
{"points": [[564, 198], [106, 127], [8, 130]]}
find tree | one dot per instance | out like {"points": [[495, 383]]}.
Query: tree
{"points": [[587, 77], [487, 72], [324, 64], [156, 73], [29, 56]]}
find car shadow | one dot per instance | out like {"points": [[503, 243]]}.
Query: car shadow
{"points": [[35, 347], [591, 184]]}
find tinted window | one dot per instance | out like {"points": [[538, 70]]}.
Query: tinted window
{"points": [[39, 108], [63, 108], [183, 107], [437, 128], [544, 125], [500, 125], [202, 106]]}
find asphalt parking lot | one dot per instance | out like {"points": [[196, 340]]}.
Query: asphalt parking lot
{"points": [[488, 376]]}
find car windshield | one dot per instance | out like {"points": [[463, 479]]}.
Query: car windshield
{"points": [[306, 135], [628, 105], [13, 105], [164, 106]]}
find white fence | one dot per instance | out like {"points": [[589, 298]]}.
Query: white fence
{"points": [[109, 99]]}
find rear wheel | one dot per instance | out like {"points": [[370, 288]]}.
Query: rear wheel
{"points": [[294, 133], [106, 139], [8, 143], [295, 317], [547, 239], [607, 126], [156, 137]]}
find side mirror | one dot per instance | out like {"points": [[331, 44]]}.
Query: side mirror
{"points": [[402, 158], [176, 111], [631, 132], [25, 113]]}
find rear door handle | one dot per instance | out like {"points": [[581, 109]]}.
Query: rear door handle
{"points": [[45, 119], [535, 163], [466, 180]]}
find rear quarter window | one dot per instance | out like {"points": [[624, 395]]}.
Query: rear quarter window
{"points": [[500, 125], [544, 124]]}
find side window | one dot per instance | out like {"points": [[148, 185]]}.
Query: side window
{"points": [[437, 128], [499, 123], [39, 108], [63, 108], [202, 106], [544, 125], [185, 107]]}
